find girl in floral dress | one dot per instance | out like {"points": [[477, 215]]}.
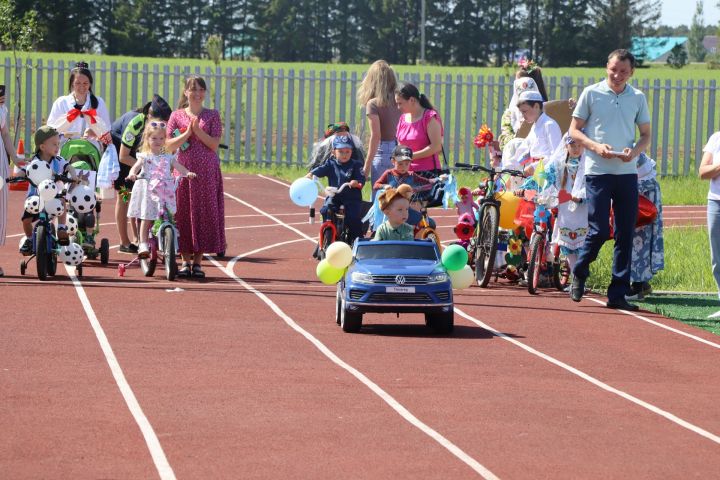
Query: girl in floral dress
{"points": [[196, 132]]}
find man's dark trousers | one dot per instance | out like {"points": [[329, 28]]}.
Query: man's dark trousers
{"points": [[622, 191]]}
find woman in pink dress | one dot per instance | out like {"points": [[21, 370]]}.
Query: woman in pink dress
{"points": [[200, 216]]}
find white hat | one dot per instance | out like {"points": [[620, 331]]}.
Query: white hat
{"points": [[529, 96]]}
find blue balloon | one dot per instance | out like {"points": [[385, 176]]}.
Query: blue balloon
{"points": [[303, 192]]}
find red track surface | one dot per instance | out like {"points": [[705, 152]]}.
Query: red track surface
{"points": [[230, 390]]}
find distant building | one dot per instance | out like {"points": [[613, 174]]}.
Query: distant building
{"points": [[656, 49], [710, 42]]}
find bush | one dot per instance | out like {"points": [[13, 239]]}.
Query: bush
{"points": [[713, 61], [678, 57], [213, 45]]}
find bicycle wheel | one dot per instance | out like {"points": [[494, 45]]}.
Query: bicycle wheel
{"points": [[147, 265], [486, 244], [537, 244], [42, 255], [168, 243], [561, 273], [104, 251]]}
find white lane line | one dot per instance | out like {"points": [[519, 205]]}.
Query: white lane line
{"points": [[264, 226], [673, 418], [271, 217], [258, 215], [158, 455], [658, 324], [375, 388], [279, 182]]}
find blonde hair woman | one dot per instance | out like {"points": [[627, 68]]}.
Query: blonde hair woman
{"points": [[377, 95]]}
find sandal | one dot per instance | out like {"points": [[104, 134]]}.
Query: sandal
{"points": [[184, 271], [197, 271]]}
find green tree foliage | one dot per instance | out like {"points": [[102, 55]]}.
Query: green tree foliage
{"points": [[697, 34], [678, 57]]}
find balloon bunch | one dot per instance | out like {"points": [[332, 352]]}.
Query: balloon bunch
{"points": [[484, 137], [455, 259], [332, 268]]}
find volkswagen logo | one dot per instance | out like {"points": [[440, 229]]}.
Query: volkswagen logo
{"points": [[400, 279]]}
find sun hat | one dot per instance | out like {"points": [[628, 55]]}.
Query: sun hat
{"points": [[389, 195]]}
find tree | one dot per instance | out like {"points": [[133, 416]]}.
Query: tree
{"points": [[678, 57], [213, 45], [697, 34], [18, 33]]}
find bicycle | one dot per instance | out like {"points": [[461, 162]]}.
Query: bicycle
{"points": [[543, 224], [163, 245], [424, 229], [483, 244], [45, 243], [333, 228]]}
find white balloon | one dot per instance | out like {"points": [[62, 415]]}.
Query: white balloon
{"points": [[38, 170], [54, 207], [47, 189], [33, 204], [72, 224], [71, 254], [83, 199]]}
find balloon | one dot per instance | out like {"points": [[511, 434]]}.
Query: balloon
{"points": [[454, 257], [47, 189], [54, 207], [303, 192], [71, 254], [508, 205], [339, 255], [83, 198], [72, 224], [33, 204], [328, 274], [461, 278], [38, 170]]}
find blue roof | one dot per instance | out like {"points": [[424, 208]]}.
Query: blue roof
{"points": [[651, 48]]}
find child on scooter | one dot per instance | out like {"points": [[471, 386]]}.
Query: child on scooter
{"points": [[153, 191]]}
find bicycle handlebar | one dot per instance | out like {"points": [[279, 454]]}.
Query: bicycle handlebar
{"points": [[475, 168], [332, 191]]}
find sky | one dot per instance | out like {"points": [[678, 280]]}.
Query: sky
{"points": [[680, 12]]}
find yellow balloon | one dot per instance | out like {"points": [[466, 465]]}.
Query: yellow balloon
{"points": [[462, 278], [508, 205], [339, 254], [328, 274]]}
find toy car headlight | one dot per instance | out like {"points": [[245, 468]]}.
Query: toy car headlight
{"points": [[360, 277], [438, 277]]}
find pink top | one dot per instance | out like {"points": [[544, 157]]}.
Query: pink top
{"points": [[415, 136]]}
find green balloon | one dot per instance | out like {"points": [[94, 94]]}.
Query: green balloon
{"points": [[454, 257], [328, 274]]}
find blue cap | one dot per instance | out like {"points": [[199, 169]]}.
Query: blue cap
{"points": [[342, 141]]}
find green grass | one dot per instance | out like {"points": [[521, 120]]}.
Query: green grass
{"points": [[292, 146], [690, 309], [687, 263]]}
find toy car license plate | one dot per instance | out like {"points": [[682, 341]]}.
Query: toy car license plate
{"points": [[400, 289]]}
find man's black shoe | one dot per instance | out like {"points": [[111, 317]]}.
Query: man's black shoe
{"points": [[622, 304], [577, 289]]}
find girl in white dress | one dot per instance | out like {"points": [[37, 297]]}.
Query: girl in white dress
{"points": [[153, 191]]}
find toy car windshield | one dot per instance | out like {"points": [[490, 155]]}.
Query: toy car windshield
{"points": [[377, 250]]}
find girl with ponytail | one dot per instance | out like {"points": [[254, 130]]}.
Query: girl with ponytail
{"points": [[420, 128]]}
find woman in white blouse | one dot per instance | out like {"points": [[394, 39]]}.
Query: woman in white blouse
{"points": [[710, 170], [81, 113]]}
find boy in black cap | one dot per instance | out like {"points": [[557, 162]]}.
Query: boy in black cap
{"points": [[126, 134]]}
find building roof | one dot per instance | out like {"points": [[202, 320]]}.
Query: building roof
{"points": [[652, 48]]}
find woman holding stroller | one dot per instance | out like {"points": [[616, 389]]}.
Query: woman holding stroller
{"points": [[420, 129], [126, 135], [200, 215]]}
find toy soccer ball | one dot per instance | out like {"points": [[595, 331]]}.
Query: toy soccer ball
{"points": [[71, 254], [47, 189], [72, 224], [38, 171], [54, 207], [32, 204], [83, 199]]}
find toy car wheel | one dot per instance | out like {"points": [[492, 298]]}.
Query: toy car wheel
{"points": [[104, 251], [441, 323], [350, 322], [338, 303]]}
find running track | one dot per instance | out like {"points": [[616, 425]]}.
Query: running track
{"points": [[246, 375]]}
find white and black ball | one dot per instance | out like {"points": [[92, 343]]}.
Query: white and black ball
{"points": [[47, 189], [33, 204], [83, 199], [54, 207], [71, 254], [38, 170], [72, 224]]}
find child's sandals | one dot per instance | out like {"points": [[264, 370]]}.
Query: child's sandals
{"points": [[184, 270], [197, 271]]}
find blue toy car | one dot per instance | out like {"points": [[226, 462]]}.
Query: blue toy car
{"points": [[395, 277]]}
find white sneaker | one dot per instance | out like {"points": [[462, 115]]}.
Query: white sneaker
{"points": [[143, 250], [715, 315]]}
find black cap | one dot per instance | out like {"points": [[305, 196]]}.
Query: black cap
{"points": [[160, 108], [402, 152]]}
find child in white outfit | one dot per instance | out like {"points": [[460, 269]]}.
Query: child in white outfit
{"points": [[153, 191]]}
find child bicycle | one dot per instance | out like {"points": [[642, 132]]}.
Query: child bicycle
{"points": [[483, 244], [425, 228], [333, 229], [163, 245]]}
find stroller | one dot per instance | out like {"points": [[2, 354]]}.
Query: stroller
{"points": [[85, 158]]}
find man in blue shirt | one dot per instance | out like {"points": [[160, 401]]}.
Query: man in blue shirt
{"points": [[604, 122]]}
